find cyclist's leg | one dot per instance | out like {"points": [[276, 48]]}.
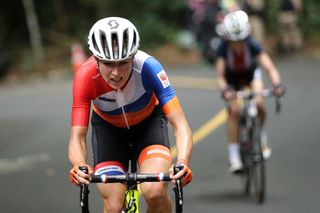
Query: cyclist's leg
{"points": [[257, 85], [233, 119], [155, 194], [232, 131], [233, 109], [110, 153], [113, 196], [154, 156]]}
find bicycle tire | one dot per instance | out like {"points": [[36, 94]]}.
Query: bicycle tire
{"points": [[258, 166], [244, 153], [246, 180]]}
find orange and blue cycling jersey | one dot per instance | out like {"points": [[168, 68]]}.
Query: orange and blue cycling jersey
{"points": [[147, 87]]}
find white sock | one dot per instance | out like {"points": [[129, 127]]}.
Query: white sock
{"points": [[234, 152]]}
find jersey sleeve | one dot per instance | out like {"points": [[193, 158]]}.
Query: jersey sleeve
{"points": [[156, 80], [254, 46], [81, 99], [222, 49]]}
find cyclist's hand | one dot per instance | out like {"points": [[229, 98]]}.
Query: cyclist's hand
{"points": [[228, 94], [279, 90], [78, 177], [185, 173]]}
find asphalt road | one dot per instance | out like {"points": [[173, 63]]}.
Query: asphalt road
{"points": [[34, 132]]}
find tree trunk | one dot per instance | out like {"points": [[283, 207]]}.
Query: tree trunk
{"points": [[33, 26]]}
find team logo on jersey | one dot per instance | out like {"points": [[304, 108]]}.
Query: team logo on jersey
{"points": [[107, 99], [163, 78]]}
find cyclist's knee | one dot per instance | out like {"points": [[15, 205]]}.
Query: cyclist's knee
{"points": [[261, 107], [113, 196], [155, 194], [112, 205], [234, 111], [260, 101]]}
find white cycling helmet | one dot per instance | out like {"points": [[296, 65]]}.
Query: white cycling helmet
{"points": [[235, 26], [113, 39]]}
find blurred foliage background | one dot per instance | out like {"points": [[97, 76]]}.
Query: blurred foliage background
{"points": [[62, 23], [309, 19]]}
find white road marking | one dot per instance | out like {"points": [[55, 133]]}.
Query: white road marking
{"points": [[22, 163]]}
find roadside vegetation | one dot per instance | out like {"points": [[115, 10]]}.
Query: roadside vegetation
{"points": [[36, 35]]}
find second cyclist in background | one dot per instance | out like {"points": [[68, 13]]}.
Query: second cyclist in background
{"points": [[238, 63]]}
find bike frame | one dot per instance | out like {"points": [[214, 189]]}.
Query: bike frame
{"points": [[132, 193], [251, 151], [250, 143]]}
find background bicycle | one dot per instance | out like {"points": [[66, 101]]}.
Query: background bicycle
{"points": [[251, 147]]}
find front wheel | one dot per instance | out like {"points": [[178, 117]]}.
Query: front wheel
{"points": [[258, 166], [245, 152]]}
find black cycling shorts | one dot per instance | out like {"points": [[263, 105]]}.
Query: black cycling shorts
{"points": [[112, 144], [239, 80]]}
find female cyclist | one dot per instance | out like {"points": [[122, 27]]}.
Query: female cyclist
{"points": [[237, 66], [131, 100]]}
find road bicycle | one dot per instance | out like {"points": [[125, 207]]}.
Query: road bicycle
{"points": [[254, 168], [132, 179]]}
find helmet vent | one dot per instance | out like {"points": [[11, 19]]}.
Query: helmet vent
{"points": [[134, 41], [115, 46], [94, 42], [104, 45], [125, 44]]}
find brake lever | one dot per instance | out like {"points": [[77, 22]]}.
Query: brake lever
{"points": [[178, 189], [84, 192], [278, 104]]}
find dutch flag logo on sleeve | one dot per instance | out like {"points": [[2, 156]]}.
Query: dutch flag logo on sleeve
{"points": [[163, 78]]}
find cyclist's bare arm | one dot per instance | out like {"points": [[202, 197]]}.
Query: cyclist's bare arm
{"points": [[220, 71], [182, 134], [266, 63], [78, 151], [77, 145]]}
